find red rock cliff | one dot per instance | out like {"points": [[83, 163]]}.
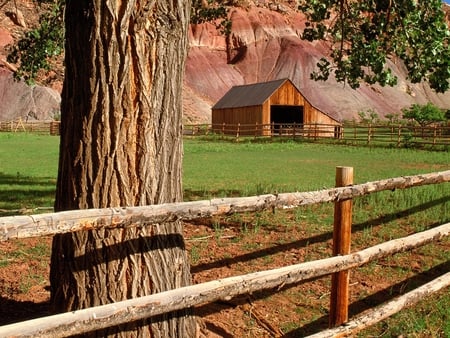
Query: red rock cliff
{"points": [[266, 45]]}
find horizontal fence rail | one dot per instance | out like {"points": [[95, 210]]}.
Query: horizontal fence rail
{"points": [[104, 316], [76, 220], [42, 127], [398, 135], [386, 310]]}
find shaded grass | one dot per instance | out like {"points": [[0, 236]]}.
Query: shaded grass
{"points": [[28, 169], [28, 165]]}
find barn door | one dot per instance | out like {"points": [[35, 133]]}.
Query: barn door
{"points": [[283, 118]]}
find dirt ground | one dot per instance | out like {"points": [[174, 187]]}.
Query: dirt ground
{"points": [[236, 246]]}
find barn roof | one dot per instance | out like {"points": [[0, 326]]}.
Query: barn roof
{"points": [[249, 95]]}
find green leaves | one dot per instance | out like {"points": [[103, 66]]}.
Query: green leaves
{"points": [[210, 11], [364, 34], [424, 114], [40, 44]]}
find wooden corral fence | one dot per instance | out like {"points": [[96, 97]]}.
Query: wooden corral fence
{"points": [[292, 130], [394, 135], [99, 317], [399, 135], [42, 127]]}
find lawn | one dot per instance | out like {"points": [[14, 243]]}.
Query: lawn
{"points": [[239, 244], [28, 167]]}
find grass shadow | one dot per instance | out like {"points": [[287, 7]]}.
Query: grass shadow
{"points": [[13, 311], [20, 192], [301, 243], [375, 299]]}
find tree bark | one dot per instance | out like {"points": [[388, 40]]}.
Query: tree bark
{"points": [[121, 145]]}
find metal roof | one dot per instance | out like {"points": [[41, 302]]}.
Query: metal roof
{"points": [[248, 95]]}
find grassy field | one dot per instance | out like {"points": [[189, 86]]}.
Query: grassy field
{"points": [[28, 169]]}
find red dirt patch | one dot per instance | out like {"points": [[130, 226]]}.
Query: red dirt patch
{"points": [[236, 246]]}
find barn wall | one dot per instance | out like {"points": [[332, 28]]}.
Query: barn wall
{"points": [[247, 117], [266, 118]]}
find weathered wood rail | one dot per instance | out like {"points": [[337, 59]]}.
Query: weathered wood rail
{"points": [[104, 316], [95, 318], [76, 220]]}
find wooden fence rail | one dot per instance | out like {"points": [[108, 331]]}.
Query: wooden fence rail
{"points": [[95, 318], [387, 309], [398, 135], [42, 127], [76, 220], [104, 316]]}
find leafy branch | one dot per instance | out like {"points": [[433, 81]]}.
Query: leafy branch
{"points": [[364, 34], [36, 48]]}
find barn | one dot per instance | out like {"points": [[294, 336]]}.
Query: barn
{"points": [[277, 106]]}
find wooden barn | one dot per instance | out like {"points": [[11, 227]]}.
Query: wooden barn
{"points": [[267, 108]]}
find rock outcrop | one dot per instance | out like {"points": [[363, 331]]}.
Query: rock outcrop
{"points": [[18, 100], [266, 45]]}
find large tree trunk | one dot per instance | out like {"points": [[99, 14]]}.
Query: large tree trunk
{"points": [[121, 145]]}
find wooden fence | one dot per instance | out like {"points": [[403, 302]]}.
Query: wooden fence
{"points": [[43, 127], [134, 309], [394, 135]]}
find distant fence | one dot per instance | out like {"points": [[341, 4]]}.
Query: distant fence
{"points": [[399, 135], [354, 133], [42, 127], [393, 135], [290, 130], [100, 317]]}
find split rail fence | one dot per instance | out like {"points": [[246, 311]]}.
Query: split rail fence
{"points": [[100, 317]]}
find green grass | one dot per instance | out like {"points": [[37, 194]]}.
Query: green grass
{"points": [[225, 168], [28, 169]]}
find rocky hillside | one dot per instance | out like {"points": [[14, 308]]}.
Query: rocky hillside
{"points": [[264, 45]]}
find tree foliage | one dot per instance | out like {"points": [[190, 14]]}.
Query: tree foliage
{"points": [[364, 34], [210, 11], [424, 114], [40, 44]]}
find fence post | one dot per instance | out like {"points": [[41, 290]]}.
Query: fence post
{"points": [[434, 134], [341, 246]]}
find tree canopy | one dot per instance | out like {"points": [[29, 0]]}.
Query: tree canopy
{"points": [[424, 114], [363, 35]]}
